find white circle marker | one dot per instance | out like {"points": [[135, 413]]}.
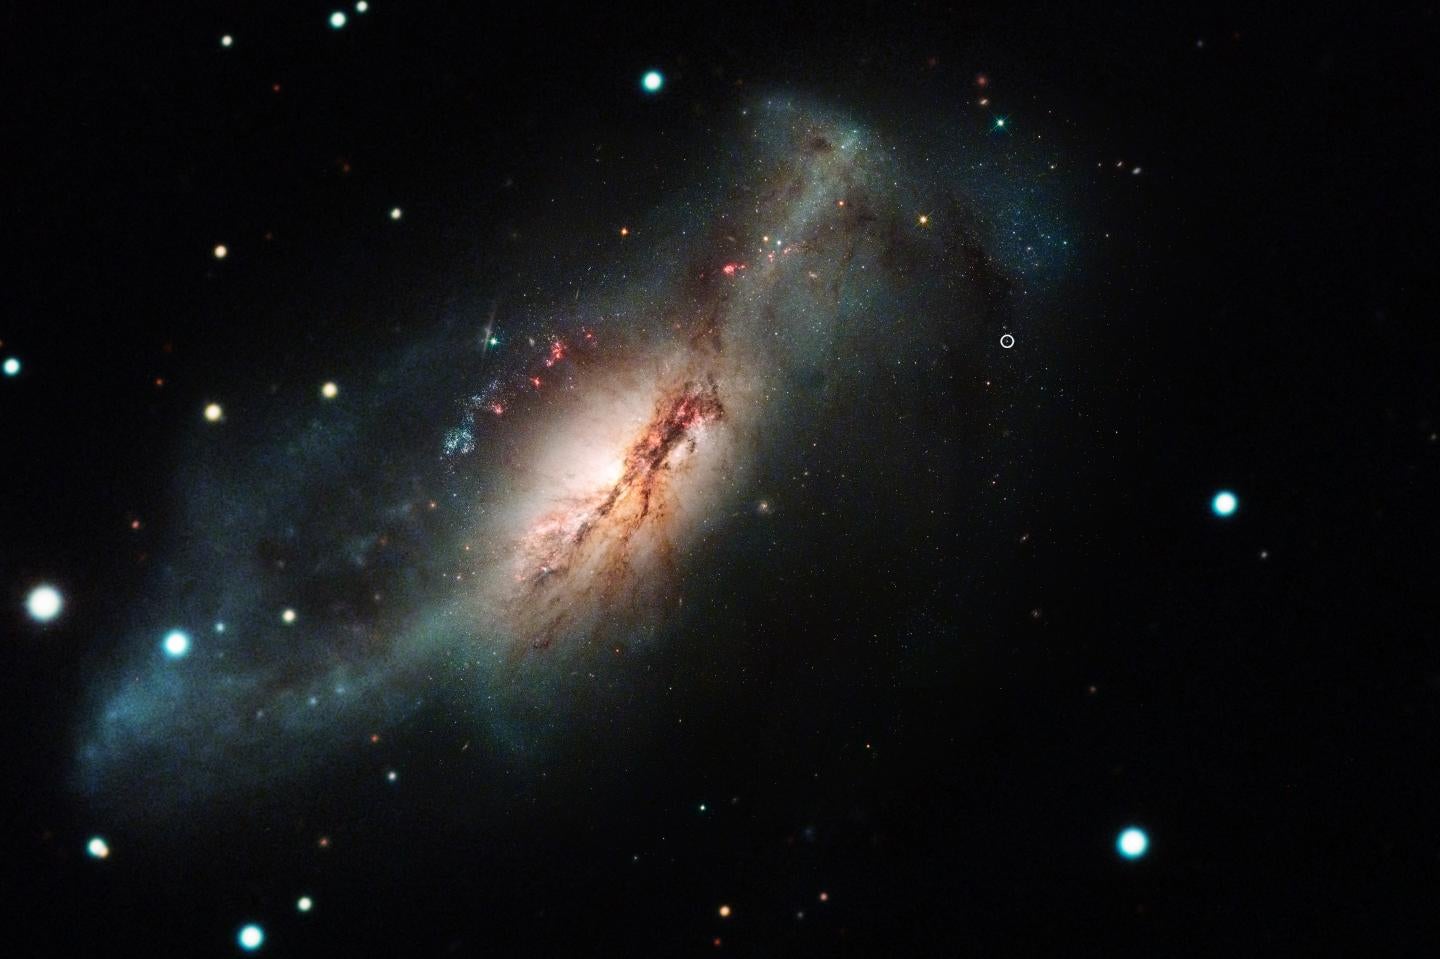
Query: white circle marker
{"points": [[1006, 341]]}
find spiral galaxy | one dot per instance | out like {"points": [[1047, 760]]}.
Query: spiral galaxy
{"points": [[576, 493]]}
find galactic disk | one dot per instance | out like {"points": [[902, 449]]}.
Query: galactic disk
{"points": [[490, 516], [652, 449]]}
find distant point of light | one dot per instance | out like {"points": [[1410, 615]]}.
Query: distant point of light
{"points": [[362, 6], [221, 251], [494, 341], [227, 41], [214, 412], [287, 617], [250, 937], [391, 776], [305, 904], [652, 81], [12, 366], [337, 20], [44, 603], [329, 391], [177, 644], [1132, 842], [219, 627], [999, 123], [98, 848], [396, 213], [1225, 503], [724, 912]]}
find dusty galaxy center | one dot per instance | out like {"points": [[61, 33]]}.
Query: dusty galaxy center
{"points": [[654, 450], [583, 563]]}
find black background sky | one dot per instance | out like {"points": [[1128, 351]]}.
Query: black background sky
{"points": [[1263, 323]]}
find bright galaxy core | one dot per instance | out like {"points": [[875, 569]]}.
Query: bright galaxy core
{"points": [[514, 529]]}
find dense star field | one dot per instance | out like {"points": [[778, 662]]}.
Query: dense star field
{"points": [[868, 480]]}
